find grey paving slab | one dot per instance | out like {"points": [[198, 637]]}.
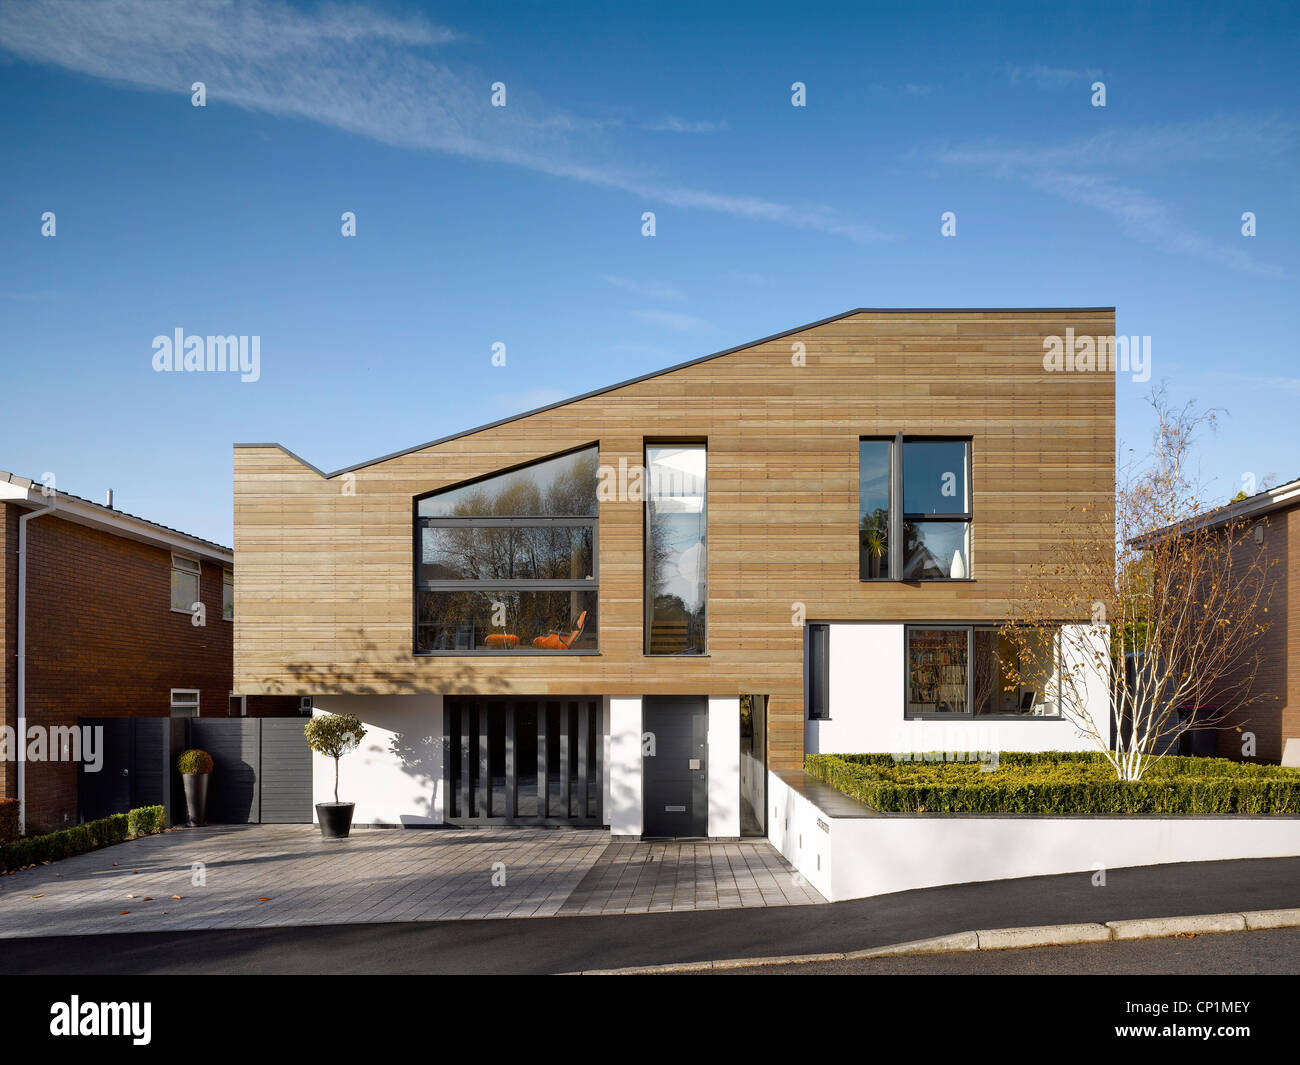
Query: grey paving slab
{"points": [[250, 876]]}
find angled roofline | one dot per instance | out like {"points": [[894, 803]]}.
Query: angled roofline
{"points": [[1283, 497], [26, 492], [674, 369]]}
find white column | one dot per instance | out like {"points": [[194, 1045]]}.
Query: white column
{"points": [[724, 767], [623, 791]]}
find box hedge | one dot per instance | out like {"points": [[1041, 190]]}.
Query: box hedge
{"points": [[8, 820], [66, 843], [1057, 782]]}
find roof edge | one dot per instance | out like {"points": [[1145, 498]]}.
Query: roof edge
{"points": [[673, 369]]}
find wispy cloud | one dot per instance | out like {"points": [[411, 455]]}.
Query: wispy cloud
{"points": [[653, 290], [1079, 171], [678, 323], [1048, 77], [361, 71], [672, 124]]}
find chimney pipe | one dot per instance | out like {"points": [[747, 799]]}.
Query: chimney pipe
{"points": [[108, 499]]}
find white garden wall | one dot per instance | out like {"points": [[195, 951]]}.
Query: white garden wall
{"points": [[857, 857]]}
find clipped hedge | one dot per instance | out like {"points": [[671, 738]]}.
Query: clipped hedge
{"points": [[8, 820], [69, 842], [1058, 782]]}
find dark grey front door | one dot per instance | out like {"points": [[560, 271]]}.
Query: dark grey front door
{"points": [[677, 773]]}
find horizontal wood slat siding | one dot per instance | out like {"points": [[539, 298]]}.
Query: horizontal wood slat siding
{"points": [[323, 580]]}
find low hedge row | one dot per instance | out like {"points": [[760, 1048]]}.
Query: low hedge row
{"points": [[8, 820], [1059, 783], [67, 842]]}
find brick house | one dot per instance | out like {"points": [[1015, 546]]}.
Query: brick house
{"points": [[111, 631]]}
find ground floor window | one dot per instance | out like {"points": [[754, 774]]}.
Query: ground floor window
{"points": [[979, 671]]}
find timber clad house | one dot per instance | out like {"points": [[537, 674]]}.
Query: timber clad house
{"points": [[97, 626], [628, 608]]}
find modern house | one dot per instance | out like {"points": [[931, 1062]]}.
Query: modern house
{"points": [[626, 608], [103, 616]]}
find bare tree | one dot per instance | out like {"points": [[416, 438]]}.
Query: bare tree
{"points": [[1164, 596]]}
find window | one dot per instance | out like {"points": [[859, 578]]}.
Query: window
{"points": [[914, 508], [676, 550], [185, 583], [976, 671], [507, 564], [185, 702], [228, 594], [238, 705], [819, 672]]}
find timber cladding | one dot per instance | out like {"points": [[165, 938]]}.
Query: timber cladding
{"points": [[323, 595]]}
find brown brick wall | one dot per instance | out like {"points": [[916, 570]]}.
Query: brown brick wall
{"points": [[8, 636]]}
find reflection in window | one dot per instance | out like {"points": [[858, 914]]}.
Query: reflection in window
{"points": [[1012, 680], [676, 558], [507, 564], [873, 508], [977, 670], [506, 620]]}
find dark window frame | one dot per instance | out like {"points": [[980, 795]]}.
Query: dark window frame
{"points": [[969, 715], [671, 441], [818, 673], [591, 584], [899, 519]]}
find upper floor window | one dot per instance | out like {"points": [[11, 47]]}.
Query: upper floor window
{"points": [[507, 563], [185, 583], [184, 702], [914, 508], [676, 549], [228, 594]]}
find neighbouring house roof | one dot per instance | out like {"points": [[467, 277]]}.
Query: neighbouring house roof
{"points": [[15, 489], [1283, 497], [683, 366]]}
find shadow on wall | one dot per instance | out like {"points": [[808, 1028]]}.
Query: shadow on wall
{"points": [[420, 758]]}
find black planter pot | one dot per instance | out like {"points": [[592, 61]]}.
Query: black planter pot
{"points": [[196, 798], [335, 819]]}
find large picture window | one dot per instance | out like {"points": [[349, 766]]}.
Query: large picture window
{"points": [[507, 564], [975, 671], [914, 509], [676, 549]]}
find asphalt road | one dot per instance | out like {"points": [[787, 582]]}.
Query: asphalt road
{"points": [[1272, 953], [567, 944]]}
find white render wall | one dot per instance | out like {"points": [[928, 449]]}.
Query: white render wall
{"points": [[866, 707], [623, 767], [854, 858], [724, 767], [395, 776]]}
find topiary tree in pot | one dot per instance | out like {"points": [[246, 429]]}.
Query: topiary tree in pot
{"points": [[195, 767], [334, 735]]}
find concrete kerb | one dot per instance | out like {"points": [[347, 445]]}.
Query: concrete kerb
{"points": [[1055, 935]]}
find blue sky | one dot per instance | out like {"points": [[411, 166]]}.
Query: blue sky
{"points": [[522, 225]]}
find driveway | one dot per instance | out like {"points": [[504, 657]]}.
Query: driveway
{"points": [[262, 876]]}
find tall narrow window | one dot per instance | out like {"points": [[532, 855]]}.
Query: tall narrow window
{"points": [[676, 555], [874, 464], [507, 564], [228, 594], [819, 672]]}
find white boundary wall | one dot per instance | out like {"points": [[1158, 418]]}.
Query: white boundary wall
{"points": [[853, 858]]}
